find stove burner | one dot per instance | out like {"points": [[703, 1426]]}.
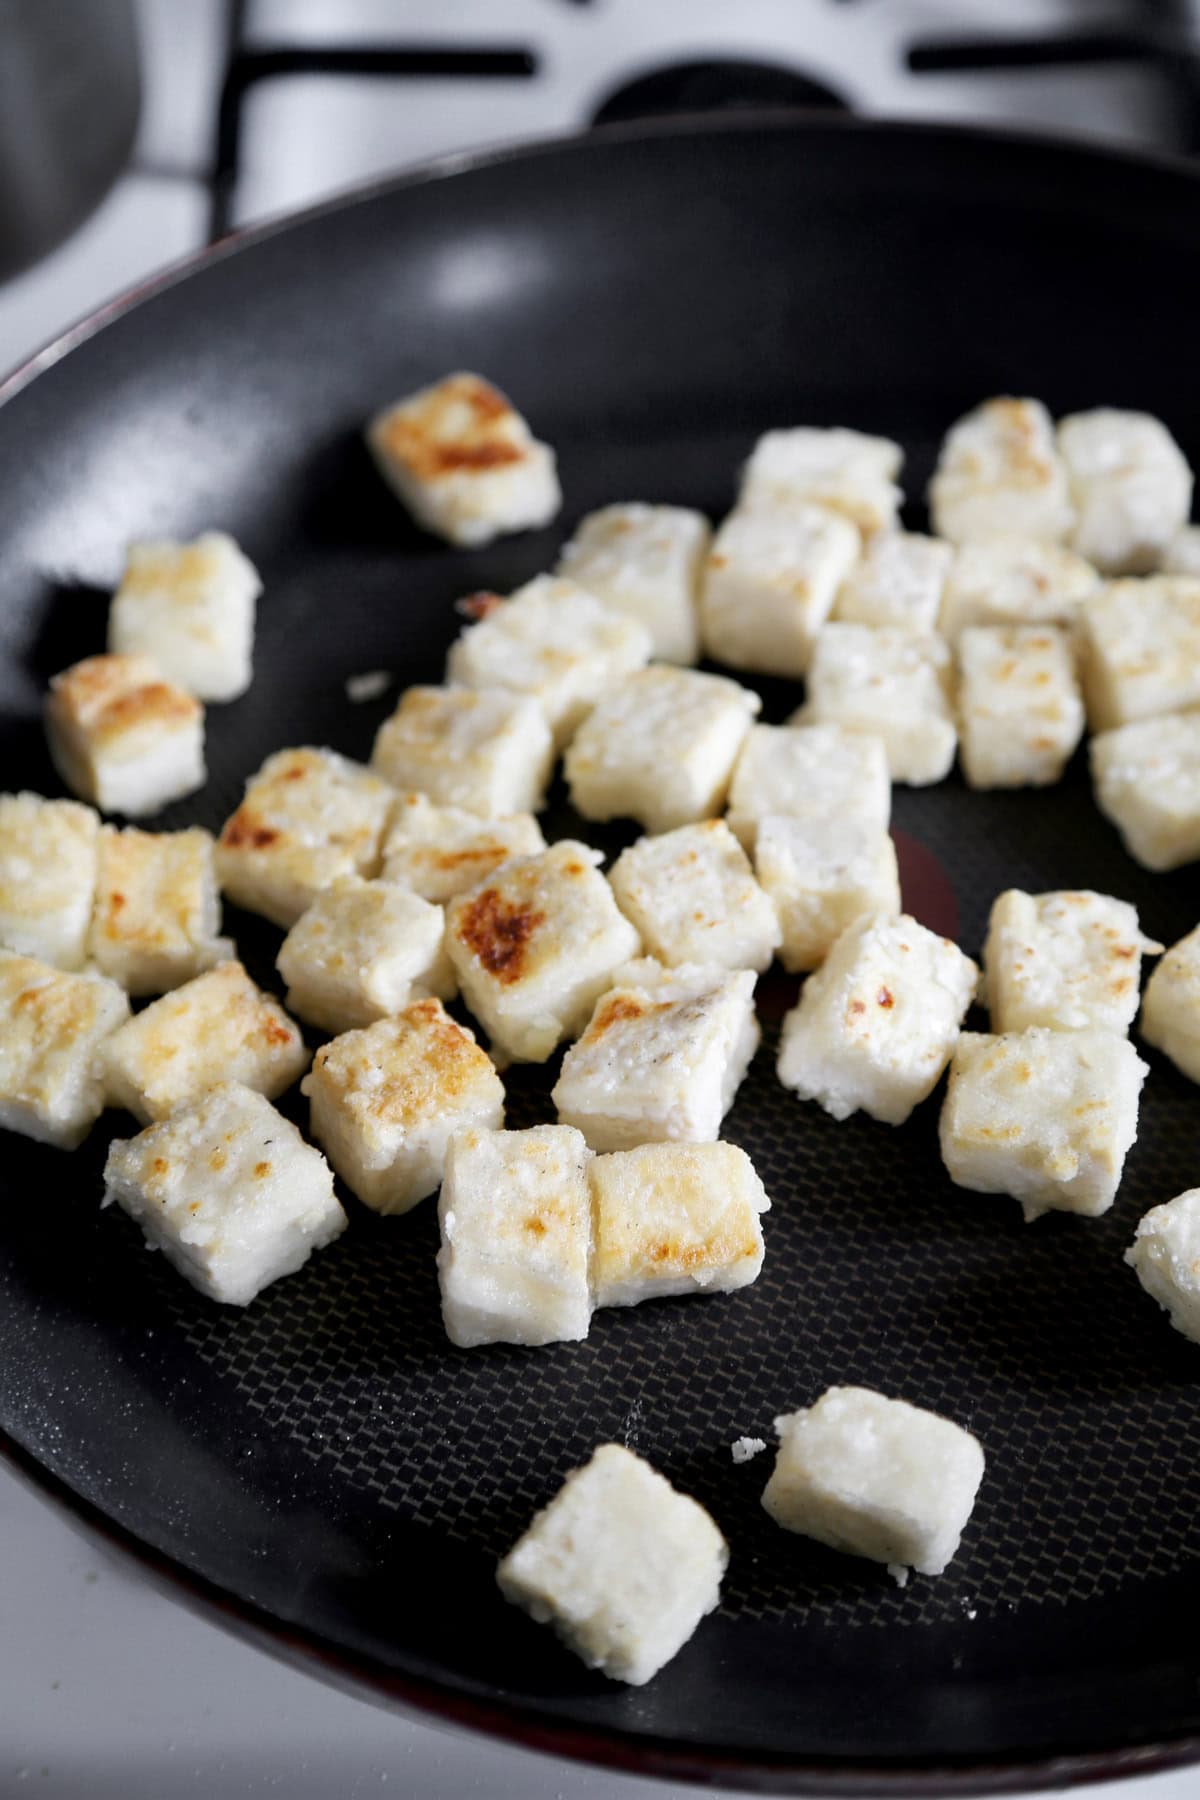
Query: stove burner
{"points": [[725, 86]]}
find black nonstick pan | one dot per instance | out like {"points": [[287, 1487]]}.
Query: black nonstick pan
{"points": [[323, 1464]]}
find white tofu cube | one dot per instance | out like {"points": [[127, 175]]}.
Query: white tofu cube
{"points": [[898, 582], [1147, 781], [1165, 1255], [692, 895], [876, 1478], [556, 642], [874, 1027], [621, 1564], [191, 608], [464, 462], [1130, 485], [385, 1102], [814, 772], [897, 685], [362, 951], [217, 1027], [440, 851], [1071, 960], [660, 749], [1140, 649], [824, 875], [534, 947], [1014, 581], [662, 1057], [1182, 554], [47, 877], [122, 737], [675, 1219], [1045, 1116], [845, 471], [770, 581], [306, 817], [1171, 1005], [1019, 704], [229, 1191], [485, 750], [645, 561], [516, 1222], [52, 1026], [999, 474], [157, 917]]}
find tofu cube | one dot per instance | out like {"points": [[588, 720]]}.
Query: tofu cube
{"points": [[1182, 554], [845, 471], [218, 1027], [1020, 708], [999, 474], [1165, 1256], [897, 685], [229, 1191], [646, 562], [662, 1057], [307, 817], [534, 948], [875, 1026], [1014, 581], [1147, 781], [385, 1102], [1171, 1006], [692, 895], [440, 851], [898, 582], [1070, 960], [464, 462], [770, 581], [1140, 644], [1045, 1116], [122, 737], [875, 1477], [191, 608], [556, 642], [621, 1564], [824, 875], [660, 749], [516, 1222], [157, 917], [1130, 485], [362, 951], [48, 851], [675, 1219], [52, 1026], [814, 772], [485, 750]]}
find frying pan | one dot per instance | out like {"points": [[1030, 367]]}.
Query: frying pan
{"points": [[323, 1465]]}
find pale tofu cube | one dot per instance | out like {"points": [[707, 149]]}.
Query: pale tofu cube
{"points": [[999, 474], [556, 642], [692, 895], [229, 1191], [645, 561], [824, 875], [218, 1027], [896, 685], [48, 851], [675, 1219], [1014, 581], [1020, 708], [485, 750], [1130, 485], [1182, 554], [770, 581], [814, 772], [191, 608], [1147, 781], [464, 462], [307, 817], [1045, 1116], [122, 737], [440, 851], [1140, 649], [1171, 1005], [1165, 1255], [1071, 960], [621, 1564], [660, 749], [516, 1222], [662, 1057], [875, 1026], [362, 951], [846, 471], [386, 1101], [534, 948], [52, 1027], [898, 582], [875, 1477], [157, 917]]}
